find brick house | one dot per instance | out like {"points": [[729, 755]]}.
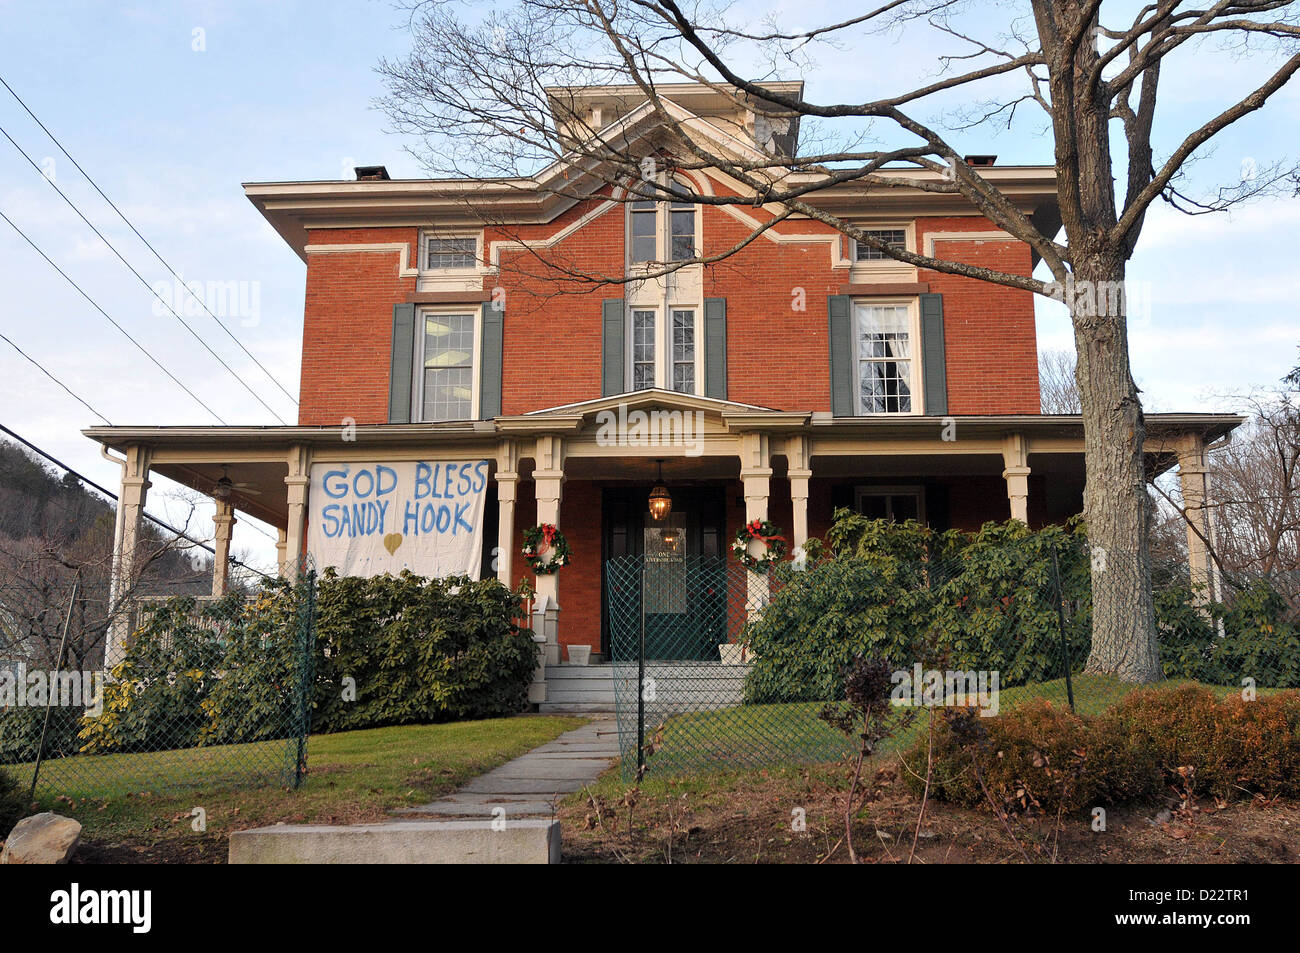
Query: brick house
{"points": [[451, 320]]}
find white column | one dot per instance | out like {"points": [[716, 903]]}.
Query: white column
{"points": [[756, 475], [1198, 507], [281, 544], [132, 495], [1015, 459], [548, 486], [507, 478], [799, 472], [223, 521], [296, 483]]}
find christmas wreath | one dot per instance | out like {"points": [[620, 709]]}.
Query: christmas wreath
{"points": [[545, 549], [769, 535]]}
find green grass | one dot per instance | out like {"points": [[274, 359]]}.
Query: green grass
{"points": [[766, 735], [352, 776]]}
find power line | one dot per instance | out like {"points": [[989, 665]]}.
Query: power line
{"points": [[143, 280], [69, 390], [113, 496], [156, 254], [110, 320]]}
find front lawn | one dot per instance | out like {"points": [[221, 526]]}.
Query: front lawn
{"points": [[353, 776]]}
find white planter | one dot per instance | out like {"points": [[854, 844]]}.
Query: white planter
{"points": [[579, 654]]}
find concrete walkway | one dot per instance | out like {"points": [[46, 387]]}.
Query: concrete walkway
{"points": [[532, 784]]}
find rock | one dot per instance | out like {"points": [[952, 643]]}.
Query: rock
{"points": [[47, 838]]}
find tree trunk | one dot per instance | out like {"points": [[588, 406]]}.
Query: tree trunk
{"points": [[1115, 501]]}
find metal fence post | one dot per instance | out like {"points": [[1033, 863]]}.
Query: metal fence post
{"points": [[306, 583], [640, 677], [1060, 622], [49, 698]]}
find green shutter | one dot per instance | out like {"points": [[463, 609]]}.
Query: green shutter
{"points": [[933, 364], [613, 380], [841, 342], [489, 392], [715, 348], [402, 371]]}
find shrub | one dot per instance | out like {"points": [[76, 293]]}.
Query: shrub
{"points": [[20, 733], [13, 803], [1231, 746], [1037, 757]]}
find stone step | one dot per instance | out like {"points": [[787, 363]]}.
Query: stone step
{"points": [[524, 841], [575, 708]]}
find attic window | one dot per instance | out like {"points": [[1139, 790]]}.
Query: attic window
{"points": [[442, 254], [893, 237]]}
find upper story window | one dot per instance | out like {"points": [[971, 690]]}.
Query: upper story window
{"points": [[450, 253], [887, 369], [662, 231], [445, 371], [893, 237]]}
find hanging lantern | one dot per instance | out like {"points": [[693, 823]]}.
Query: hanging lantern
{"points": [[661, 504]]}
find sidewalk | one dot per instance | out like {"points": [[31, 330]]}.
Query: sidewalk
{"points": [[530, 785]]}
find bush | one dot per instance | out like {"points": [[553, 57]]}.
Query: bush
{"points": [[13, 803], [418, 650], [20, 733], [1038, 757], [1232, 746]]}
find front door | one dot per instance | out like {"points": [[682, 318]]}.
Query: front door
{"points": [[681, 552]]}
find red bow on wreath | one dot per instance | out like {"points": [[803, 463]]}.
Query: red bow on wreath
{"points": [[548, 537], [755, 530]]}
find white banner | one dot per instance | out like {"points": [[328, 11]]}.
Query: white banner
{"points": [[370, 518]]}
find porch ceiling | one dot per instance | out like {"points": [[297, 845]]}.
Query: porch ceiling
{"points": [[260, 489]]}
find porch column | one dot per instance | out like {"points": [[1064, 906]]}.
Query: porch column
{"points": [[1015, 459], [281, 544], [132, 496], [296, 483], [507, 492], [1198, 509], [799, 472], [224, 521], [548, 485], [756, 475]]}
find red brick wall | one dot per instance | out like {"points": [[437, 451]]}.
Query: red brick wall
{"points": [[776, 317]]}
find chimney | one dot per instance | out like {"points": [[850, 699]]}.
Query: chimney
{"points": [[981, 160], [371, 173]]}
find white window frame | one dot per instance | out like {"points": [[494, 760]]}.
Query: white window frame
{"points": [[663, 229], [476, 234], [913, 305], [663, 344], [417, 364], [908, 489]]}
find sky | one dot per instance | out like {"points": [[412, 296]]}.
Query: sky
{"points": [[171, 106]]}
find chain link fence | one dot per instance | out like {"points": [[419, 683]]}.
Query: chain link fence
{"points": [[717, 667], [156, 692]]}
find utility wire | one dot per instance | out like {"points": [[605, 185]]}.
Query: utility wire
{"points": [[110, 320], [143, 280], [130, 225], [113, 496], [44, 371]]}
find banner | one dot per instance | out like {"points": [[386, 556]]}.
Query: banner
{"points": [[371, 518]]}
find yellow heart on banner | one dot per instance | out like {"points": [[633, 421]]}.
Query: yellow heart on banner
{"points": [[392, 541]]}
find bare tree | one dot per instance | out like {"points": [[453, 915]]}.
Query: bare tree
{"points": [[490, 94], [1056, 384]]}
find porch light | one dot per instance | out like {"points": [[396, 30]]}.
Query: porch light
{"points": [[661, 504]]}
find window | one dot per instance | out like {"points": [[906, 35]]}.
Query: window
{"points": [[684, 352], [661, 231], [447, 369], [442, 254], [885, 364], [893, 237], [643, 350], [896, 503]]}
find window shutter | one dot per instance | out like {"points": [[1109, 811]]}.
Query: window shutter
{"points": [[489, 391], [841, 340], [402, 371], [715, 348], [612, 329], [932, 356]]}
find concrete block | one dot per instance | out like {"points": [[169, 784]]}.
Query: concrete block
{"points": [[400, 842]]}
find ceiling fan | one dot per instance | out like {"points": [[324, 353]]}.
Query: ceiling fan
{"points": [[226, 487]]}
